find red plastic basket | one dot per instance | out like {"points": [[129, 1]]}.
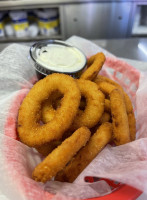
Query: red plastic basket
{"points": [[125, 192], [119, 71]]}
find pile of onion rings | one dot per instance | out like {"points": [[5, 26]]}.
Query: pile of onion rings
{"points": [[69, 121]]}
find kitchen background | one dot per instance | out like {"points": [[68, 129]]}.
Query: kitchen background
{"points": [[29, 20]]}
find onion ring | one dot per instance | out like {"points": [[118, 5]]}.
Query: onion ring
{"points": [[107, 106], [92, 113], [59, 157], [107, 88], [96, 143], [132, 125], [48, 148], [94, 66], [121, 134], [94, 105], [105, 118], [107, 85], [50, 106], [30, 131]]}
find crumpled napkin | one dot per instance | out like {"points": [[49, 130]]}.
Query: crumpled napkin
{"points": [[126, 163]]}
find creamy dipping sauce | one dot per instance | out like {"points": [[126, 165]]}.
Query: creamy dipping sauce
{"points": [[61, 58]]}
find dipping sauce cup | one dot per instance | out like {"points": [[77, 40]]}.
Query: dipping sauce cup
{"points": [[55, 56]]}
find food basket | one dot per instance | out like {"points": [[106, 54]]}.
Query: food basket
{"points": [[17, 157]]}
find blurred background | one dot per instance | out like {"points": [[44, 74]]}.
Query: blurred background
{"points": [[107, 20]]}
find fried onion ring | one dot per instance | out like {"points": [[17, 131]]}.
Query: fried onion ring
{"points": [[94, 109], [59, 157], [94, 66], [107, 85], [107, 106], [50, 106], [107, 88], [121, 134], [48, 148], [105, 118], [30, 131], [96, 143]]}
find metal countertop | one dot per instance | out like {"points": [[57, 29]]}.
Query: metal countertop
{"points": [[133, 48]]}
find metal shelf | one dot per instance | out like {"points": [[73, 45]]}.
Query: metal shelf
{"points": [[33, 4], [26, 4]]}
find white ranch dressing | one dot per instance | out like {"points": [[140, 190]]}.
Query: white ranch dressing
{"points": [[61, 58]]}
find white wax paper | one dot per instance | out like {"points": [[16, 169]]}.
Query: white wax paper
{"points": [[126, 163]]}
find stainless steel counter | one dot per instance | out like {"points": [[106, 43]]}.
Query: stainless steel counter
{"points": [[134, 48], [130, 49]]}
